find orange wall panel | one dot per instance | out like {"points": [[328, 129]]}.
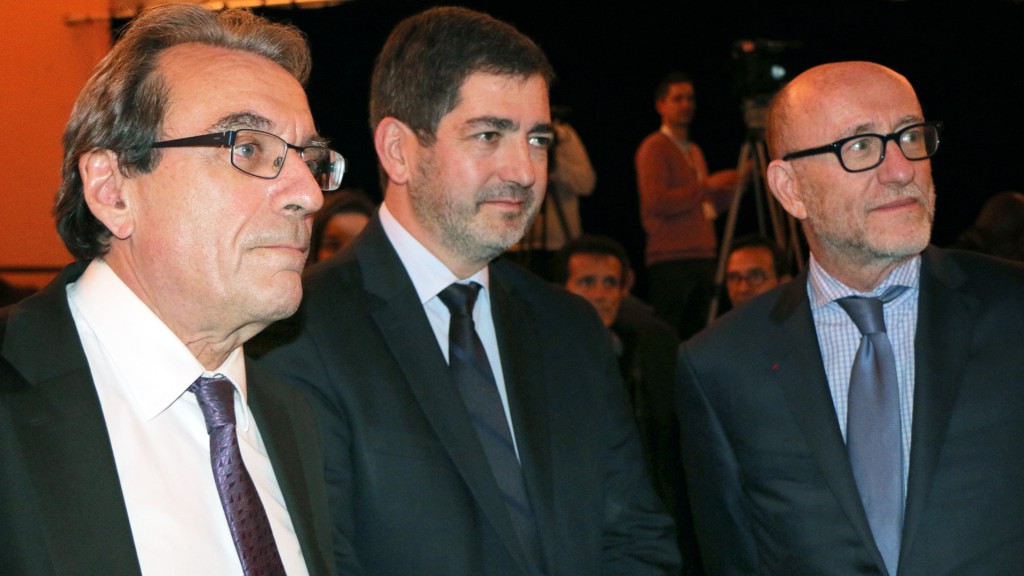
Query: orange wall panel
{"points": [[46, 62]]}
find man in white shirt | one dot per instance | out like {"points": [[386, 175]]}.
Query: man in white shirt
{"points": [[191, 170], [516, 454]]}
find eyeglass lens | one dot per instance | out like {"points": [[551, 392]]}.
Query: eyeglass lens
{"points": [[263, 154], [916, 142], [753, 278]]}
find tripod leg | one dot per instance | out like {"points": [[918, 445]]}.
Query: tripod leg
{"points": [[746, 152]]}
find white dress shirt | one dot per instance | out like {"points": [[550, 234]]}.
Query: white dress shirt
{"points": [[430, 276], [158, 434]]}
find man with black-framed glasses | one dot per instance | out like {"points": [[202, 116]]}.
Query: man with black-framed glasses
{"points": [[865, 417], [135, 437], [756, 264]]}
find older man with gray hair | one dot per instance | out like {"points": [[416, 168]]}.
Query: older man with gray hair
{"points": [[134, 435]]}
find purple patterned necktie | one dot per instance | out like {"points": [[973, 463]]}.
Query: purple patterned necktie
{"points": [[250, 528]]}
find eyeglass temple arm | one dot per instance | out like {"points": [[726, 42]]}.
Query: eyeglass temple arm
{"points": [[215, 139]]}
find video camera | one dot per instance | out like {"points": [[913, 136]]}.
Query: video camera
{"points": [[760, 68]]}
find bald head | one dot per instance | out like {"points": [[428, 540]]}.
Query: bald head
{"points": [[825, 91], [859, 224]]}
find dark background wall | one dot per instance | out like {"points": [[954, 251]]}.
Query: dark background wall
{"points": [[964, 58]]}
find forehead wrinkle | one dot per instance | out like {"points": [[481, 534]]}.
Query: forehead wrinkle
{"points": [[874, 128]]}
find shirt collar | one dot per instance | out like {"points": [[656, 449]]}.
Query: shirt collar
{"points": [[157, 366], [824, 288], [429, 275]]}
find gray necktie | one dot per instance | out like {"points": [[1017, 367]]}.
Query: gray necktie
{"points": [[873, 434], [247, 520], [472, 373]]}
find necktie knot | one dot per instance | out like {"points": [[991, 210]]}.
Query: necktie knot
{"points": [[866, 313], [460, 298], [216, 398]]}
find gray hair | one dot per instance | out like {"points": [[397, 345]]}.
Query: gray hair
{"points": [[122, 106]]}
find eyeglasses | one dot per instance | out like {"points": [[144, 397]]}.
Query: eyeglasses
{"points": [[753, 278], [262, 154], [865, 151]]}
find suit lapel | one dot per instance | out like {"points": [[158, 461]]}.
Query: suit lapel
{"points": [[69, 457], [800, 373], [945, 327], [526, 384], [277, 428], [404, 326]]}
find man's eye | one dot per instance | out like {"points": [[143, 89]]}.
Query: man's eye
{"points": [[912, 136], [860, 145], [541, 140], [487, 136], [246, 150]]}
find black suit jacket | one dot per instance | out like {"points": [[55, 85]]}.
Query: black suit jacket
{"points": [[647, 360], [766, 465], [410, 488], [61, 507]]}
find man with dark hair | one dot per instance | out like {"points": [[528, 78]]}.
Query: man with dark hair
{"points": [[609, 274], [475, 420], [597, 268], [756, 264], [864, 418], [339, 222], [135, 436], [679, 202]]}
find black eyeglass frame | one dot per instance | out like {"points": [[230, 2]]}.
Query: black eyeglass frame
{"points": [[227, 140], [754, 278], [837, 146]]}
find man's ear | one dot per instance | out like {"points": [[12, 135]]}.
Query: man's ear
{"points": [[659, 105], [784, 186], [104, 189], [397, 147]]}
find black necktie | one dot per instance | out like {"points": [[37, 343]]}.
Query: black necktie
{"points": [[472, 373], [874, 438], [250, 528]]}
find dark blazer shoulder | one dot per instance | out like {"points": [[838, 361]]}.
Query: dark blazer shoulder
{"points": [[54, 436], [38, 335], [755, 320], [550, 302], [995, 278]]}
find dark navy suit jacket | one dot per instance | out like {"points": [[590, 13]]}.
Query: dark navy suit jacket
{"points": [[410, 488], [766, 465]]}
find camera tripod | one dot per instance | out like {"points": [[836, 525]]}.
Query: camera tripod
{"points": [[752, 164]]}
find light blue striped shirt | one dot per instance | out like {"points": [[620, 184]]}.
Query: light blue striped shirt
{"points": [[839, 337]]}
